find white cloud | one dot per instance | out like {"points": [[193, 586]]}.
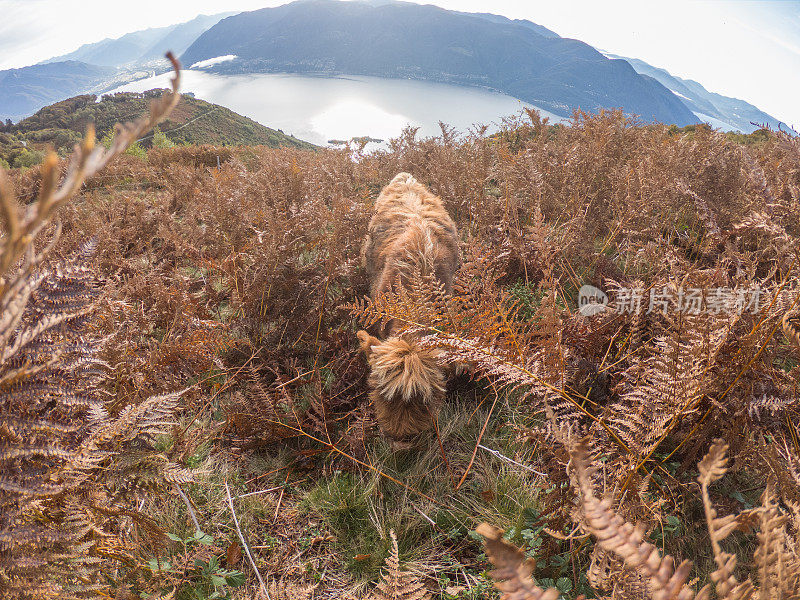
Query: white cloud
{"points": [[210, 62]]}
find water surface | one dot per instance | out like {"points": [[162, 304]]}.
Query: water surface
{"points": [[318, 109]]}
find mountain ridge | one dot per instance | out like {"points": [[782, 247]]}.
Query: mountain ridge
{"points": [[540, 29], [567, 73], [736, 113], [144, 45], [28, 89], [324, 36], [95, 67]]}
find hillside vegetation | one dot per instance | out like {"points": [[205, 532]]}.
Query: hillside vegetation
{"points": [[244, 282], [193, 121]]}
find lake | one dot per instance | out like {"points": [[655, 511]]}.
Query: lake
{"points": [[318, 109]]}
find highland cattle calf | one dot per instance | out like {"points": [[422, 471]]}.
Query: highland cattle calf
{"points": [[409, 235]]}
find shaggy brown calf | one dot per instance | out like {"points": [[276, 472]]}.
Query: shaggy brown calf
{"points": [[409, 233]]}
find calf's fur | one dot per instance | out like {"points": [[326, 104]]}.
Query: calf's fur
{"points": [[409, 233]]}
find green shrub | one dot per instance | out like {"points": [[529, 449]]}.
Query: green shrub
{"points": [[107, 138], [136, 149], [160, 139], [28, 158]]}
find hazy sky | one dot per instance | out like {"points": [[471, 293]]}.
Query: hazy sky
{"points": [[745, 49]]}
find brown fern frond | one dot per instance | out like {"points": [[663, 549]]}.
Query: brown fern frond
{"points": [[396, 584], [714, 466], [705, 211], [56, 437], [282, 589], [513, 571], [770, 556], [668, 384], [57, 441], [614, 534]]}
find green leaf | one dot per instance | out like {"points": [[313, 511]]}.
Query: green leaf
{"points": [[673, 521], [530, 515], [156, 566], [564, 585], [175, 538], [216, 580], [203, 538], [475, 536], [559, 560]]}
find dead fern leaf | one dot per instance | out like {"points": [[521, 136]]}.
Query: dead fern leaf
{"points": [[711, 468], [614, 534], [513, 572], [396, 584], [61, 490], [714, 464], [282, 589]]}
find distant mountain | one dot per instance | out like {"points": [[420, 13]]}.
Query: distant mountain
{"points": [[193, 121], [94, 67], [402, 40], [720, 111], [541, 30], [488, 16], [25, 90], [143, 46], [387, 38]]}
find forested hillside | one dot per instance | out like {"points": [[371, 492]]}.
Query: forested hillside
{"points": [[193, 121]]}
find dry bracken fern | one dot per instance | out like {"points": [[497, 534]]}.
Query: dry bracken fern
{"points": [[777, 564], [66, 478], [776, 560], [513, 570], [627, 541], [266, 246], [396, 584]]}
